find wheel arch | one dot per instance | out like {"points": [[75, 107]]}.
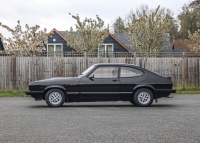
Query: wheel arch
{"points": [[150, 87], [55, 87]]}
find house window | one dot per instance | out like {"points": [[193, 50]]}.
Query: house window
{"points": [[105, 50], [54, 49]]}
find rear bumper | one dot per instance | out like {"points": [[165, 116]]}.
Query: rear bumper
{"points": [[164, 92], [38, 95]]}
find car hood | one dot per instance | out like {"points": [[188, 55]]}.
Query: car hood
{"points": [[56, 80]]}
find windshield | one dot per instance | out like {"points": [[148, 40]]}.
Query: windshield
{"points": [[86, 71]]}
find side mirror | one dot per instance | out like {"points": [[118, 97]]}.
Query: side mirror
{"points": [[91, 77]]}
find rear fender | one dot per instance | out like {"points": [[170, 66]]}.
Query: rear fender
{"points": [[146, 86]]}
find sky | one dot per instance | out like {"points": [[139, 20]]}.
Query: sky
{"points": [[55, 13]]}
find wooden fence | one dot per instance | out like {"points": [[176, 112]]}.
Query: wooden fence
{"points": [[17, 72]]}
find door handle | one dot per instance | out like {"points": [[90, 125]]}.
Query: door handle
{"points": [[114, 80]]}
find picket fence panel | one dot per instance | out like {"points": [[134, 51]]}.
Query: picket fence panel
{"points": [[17, 72]]}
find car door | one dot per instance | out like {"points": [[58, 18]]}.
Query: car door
{"points": [[101, 85], [129, 78]]}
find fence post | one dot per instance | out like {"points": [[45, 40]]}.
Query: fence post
{"points": [[14, 73], [197, 72], [135, 58], [183, 70], [85, 61]]}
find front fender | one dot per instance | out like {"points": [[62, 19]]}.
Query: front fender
{"points": [[146, 86], [55, 86], [58, 87]]}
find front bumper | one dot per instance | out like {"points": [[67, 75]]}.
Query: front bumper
{"points": [[38, 95]]}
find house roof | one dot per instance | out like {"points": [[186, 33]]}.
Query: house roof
{"points": [[182, 45], [124, 40], [179, 51], [1, 45], [58, 32], [64, 33]]}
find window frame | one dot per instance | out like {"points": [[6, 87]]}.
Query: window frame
{"points": [[105, 48], [90, 73], [130, 76], [54, 47]]}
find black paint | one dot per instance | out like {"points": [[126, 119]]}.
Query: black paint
{"points": [[83, 88]]}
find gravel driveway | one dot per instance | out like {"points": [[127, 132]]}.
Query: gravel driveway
{"points": [[170, 120]]}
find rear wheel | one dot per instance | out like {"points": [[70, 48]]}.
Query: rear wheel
{"points": [[55, 98], [143, 97]]}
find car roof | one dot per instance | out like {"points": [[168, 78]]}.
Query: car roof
{"points": [[115, 64]]}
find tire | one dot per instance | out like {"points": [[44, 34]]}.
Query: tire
{"points": [[143, 97], [55, 98], [132, 102]]}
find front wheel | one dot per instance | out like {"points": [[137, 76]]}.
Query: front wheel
{"points": [[132, 102], [55, 98], [143, 97]]}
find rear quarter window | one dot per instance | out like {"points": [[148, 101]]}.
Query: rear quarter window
{"points": [[130, 72]]}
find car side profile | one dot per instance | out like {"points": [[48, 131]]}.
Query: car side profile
{"points": [[104, 82]]}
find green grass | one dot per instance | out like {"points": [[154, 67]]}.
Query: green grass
{"points": [[188, 91], [12, 94]]}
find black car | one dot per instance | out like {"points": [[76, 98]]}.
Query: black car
{"points": [[104, 82]]}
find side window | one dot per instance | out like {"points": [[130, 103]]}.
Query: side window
{"points": [[129, 72], [105, 72]]}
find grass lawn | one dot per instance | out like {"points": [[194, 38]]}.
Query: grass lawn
{"points": [[12, 94], [188, 91], [22, 93]]}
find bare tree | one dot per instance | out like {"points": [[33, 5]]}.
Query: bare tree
{"points": [[146, 28], [91, 34], [24, 43]]}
